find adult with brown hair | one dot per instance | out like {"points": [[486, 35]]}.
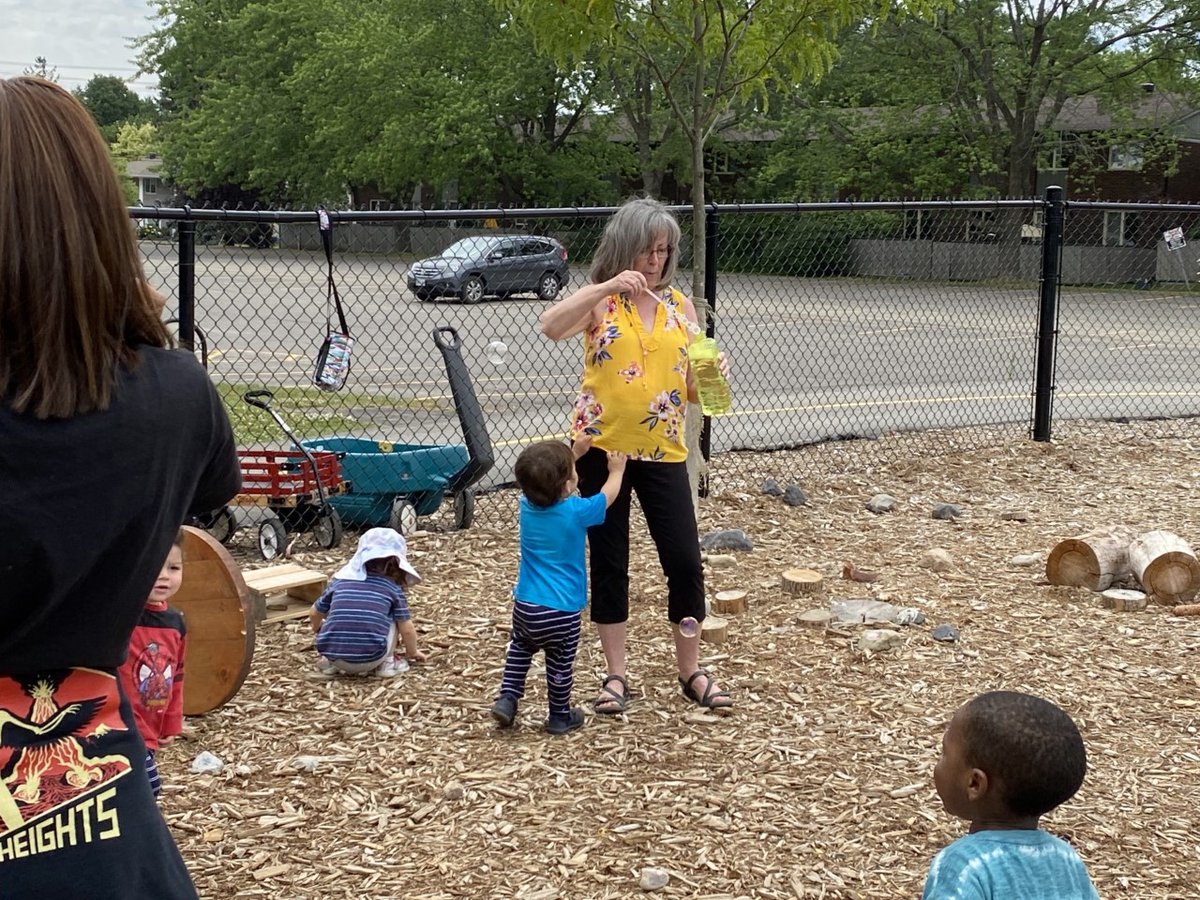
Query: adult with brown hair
{"points": [[109, 439], [636, 329]]}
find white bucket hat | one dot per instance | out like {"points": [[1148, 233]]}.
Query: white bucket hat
{"points": [[377, 543]]}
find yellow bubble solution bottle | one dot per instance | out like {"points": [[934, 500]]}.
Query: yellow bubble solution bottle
{"points": [[704, 358]]}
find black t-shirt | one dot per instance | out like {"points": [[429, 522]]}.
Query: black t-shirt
{"points": [[89, 507]]}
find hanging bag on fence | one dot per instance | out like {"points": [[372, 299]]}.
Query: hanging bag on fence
{"points": [[333, 359]]}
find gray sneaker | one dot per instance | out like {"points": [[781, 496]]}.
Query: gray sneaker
{"points": [[504, 710], [560, 724]]}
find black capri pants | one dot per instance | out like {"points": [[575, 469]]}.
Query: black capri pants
{"points": [[666, 500]]}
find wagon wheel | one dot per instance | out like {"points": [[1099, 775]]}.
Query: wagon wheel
{"points": [[464, 509], [219, 523], [404, 516], [223, 525], [327, 530], [272, 538]]}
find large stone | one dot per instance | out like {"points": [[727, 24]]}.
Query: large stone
{"points": [[653, 879], [937, 559], [881, 503], [726, 539], [793, 496], [876, 640]]}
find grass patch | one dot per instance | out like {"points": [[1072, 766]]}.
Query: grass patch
{"points": [[308, 412]]}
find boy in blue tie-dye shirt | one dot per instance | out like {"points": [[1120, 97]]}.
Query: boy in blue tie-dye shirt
{"points": [[1007, 760]]}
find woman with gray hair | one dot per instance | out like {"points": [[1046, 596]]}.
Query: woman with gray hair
{"points": [[636, 383]]}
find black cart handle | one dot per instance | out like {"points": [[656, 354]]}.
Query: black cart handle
{"points": [[261, 399], [451, 344]]}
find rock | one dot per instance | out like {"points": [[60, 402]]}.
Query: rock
{"points": [[1015, 515], [771, 487], [937, 559], [944, 632], [947, 511], [1025, 559], [815, 618], [793, 496], [306, 763], [881, 503], [867, 611], [726, 539], [876, 640], [909, 615], [653, 879], [721, 561], [207, 763]]}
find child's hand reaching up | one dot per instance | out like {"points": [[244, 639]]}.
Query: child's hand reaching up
{"points": [[616, 461], [582, 445]]}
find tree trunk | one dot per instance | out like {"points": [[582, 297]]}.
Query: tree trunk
{"points": [[1166, 567], [1093, 560]]}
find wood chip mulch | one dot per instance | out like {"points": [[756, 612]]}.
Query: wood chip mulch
{"points": [[819, 785]]}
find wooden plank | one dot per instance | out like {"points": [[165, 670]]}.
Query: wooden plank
{"points": [[295, 609], [282, 582]]}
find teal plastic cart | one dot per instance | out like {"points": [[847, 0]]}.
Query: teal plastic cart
{"points": [[392, 483]]}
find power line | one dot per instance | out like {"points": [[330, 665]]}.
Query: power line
{"points": [[107, 69]]}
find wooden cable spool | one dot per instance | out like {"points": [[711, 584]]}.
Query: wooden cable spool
{"points": [[215, 601]]}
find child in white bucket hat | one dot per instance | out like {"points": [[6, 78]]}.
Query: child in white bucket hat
{"points": [[365, 610]]}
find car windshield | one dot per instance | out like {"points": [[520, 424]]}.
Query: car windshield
{"points": [[469, 248]]}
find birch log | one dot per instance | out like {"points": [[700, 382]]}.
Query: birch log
{"points": [[1093, 560], [1166, 567]]}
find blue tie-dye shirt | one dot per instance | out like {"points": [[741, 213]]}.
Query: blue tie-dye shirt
{"points": [[1008, 865]]}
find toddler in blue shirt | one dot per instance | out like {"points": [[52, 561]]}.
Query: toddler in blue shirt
{"points": [[551, 589], [1007, 760]]}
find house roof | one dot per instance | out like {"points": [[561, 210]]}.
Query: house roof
{"points": [[143, 168], [1153, 109]]}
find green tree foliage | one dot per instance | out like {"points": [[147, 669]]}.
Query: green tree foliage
{"points": [[304, 100], [960, 105], [41, 69], [112, 104], [703, 55]]}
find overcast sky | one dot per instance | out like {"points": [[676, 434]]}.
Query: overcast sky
{"points": [[80, 38]]}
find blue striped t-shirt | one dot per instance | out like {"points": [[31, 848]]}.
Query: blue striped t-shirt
{"points": [[358, 618], [1028, 864]]}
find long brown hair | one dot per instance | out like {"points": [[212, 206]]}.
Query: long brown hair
{"points": [[74, 301]]}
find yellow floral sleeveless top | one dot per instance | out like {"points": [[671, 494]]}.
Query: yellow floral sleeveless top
{"points": [[634, 392]]}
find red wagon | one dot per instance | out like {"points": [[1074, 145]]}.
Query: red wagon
{"points": [[293, 486]]}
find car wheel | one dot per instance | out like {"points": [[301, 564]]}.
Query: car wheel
{"points": [[472, 289], [548, 287], [423, 295]]}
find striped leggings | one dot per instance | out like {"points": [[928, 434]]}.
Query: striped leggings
{"points": [[556, 633]]}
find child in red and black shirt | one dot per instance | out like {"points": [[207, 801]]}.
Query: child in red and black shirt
{"points": [[152, 674]]}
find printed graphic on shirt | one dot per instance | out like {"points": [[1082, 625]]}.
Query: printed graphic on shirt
{"points": [[154, 677], [56, 787]]}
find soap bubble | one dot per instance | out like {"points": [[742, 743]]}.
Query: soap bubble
{"points": [[689, 627], [496, 353]]}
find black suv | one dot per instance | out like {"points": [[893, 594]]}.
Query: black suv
{"points": [[477, 267]]}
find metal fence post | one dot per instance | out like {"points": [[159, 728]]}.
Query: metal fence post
{"points": [[1047, 335], [187, 283]]}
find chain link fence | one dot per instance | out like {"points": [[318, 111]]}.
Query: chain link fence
{"points": [[841, 321]]}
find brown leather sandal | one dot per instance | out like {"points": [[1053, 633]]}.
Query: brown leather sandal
{"points": [[611, 703], [715, 700]]}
